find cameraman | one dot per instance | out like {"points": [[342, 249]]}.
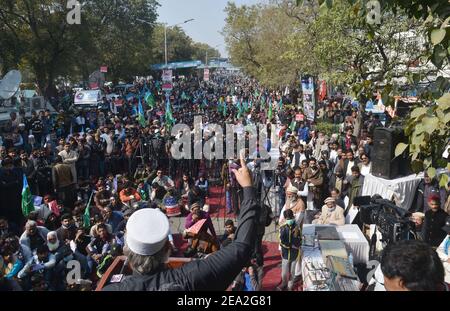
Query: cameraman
{"points": [[279, 183]]}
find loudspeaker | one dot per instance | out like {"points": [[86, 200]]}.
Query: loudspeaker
{"points": [[384, 163]]}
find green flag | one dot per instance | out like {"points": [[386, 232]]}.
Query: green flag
{"points": [[87, 214], [150, 99], [169, 117], [239, 109], [141, 117], [293, 125], [224, 108], [280, 104], [270, 111], [27, 198]]}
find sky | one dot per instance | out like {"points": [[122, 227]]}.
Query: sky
{"points": [[209, 18]]}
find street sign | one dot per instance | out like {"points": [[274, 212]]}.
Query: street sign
{"points": [[206, 74], [167, 84], [104, 69]]}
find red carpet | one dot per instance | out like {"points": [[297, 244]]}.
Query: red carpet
{"points": [[272, 262], [217, 203]]}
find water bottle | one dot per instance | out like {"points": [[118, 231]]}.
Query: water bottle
{"points": [[350, 258]]}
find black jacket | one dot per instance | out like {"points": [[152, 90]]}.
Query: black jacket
{"points": [[432, 227], [214, 273]]}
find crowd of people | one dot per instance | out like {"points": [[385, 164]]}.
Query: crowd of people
{"points": [[90, 170]]}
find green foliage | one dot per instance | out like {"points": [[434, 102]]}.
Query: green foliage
{"points": [[327, 128], [34, 35]]}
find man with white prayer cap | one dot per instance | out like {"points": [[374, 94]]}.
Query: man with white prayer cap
{"points": [[331, 214], [147, 249]]}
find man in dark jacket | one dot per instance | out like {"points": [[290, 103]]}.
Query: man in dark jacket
{"points": [[290, 242], [348, 140], [216, 272], [63, 180], [434, 221], [428, 187]]}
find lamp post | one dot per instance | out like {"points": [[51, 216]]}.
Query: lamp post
{"points": [[165, 33]]}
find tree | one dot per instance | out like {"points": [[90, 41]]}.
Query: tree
{"points": [[428, 124], [109, 34]]}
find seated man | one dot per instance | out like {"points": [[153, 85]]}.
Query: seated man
{"points": [[34, 235], [112, 218], [230, 229], [103, 197], [331, 214], [101, 250], [68, 229], [144, 190], [129, 195], [195, 195], [157, 193], [42, 265], [195, 239], [163, 180], [10, 263], [203, 185]]}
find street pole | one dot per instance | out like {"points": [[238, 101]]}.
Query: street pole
{"points": [[206, 63], [165, 43]]}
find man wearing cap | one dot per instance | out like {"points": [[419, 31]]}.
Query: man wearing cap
{"points": [[147, 249], [293, 203], [331, 214]]}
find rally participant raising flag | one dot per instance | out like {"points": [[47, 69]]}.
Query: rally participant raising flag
{"points": [[87, 213], [170, 121], [27, 198], [141, 116], [149, 99]]}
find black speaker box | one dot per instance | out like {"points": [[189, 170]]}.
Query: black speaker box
{"points": [[384, 163]]}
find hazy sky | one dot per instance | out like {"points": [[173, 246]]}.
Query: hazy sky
{"points": [[209, 18]]}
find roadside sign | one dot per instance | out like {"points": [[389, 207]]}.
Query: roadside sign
{"points": [[104, 69], [167, 84], [206, 74]]}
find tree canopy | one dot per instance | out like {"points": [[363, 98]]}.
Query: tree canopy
{"points": [[35, 37]]}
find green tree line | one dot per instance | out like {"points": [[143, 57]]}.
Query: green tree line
{"points": [[35, 37]]}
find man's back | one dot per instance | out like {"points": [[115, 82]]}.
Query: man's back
{"points": [[62, 175], [203, 274]]}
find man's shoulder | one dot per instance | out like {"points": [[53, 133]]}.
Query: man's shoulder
{"points": [[159, 281]]}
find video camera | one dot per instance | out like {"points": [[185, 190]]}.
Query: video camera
{"points": [[392, 221]]}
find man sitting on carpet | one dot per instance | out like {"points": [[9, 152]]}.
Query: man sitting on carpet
{"points": [[195, 216]]}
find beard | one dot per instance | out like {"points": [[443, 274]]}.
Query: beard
{"points": [[53, 246], [291, 202]]}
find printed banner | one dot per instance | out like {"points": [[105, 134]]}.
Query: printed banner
{"points": [[309, 100]]}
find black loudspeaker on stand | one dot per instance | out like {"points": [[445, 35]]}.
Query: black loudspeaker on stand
{"points": [[384, 162]]}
